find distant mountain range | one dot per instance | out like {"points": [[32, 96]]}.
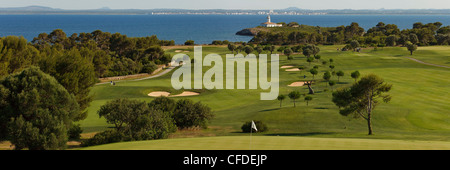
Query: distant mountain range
{"points": [[287, 11]]}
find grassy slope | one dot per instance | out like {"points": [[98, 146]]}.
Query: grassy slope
{"points": [[419, 109]]}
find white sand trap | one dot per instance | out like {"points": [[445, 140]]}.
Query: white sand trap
{"points": [[297, 84], [177, 51], [293, 69], [186, 93], [287, 66], [158, 94]]}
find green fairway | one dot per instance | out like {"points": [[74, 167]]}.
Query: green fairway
{"points": [[274, 143], [419, 109]]}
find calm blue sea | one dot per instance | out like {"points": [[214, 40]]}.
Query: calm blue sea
{"points": [[203, 29]]}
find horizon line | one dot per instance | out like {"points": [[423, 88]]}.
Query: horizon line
{"points": [[287, 8]]}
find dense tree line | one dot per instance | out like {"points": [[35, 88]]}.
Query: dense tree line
{"points": [[108, 54], [381, 35], [111, 54]]}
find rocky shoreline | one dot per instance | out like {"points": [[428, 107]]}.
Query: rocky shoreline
{"points": [[248, 32]]}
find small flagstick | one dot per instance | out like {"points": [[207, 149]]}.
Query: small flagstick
{"points": [[253, 126], [251, 129]]}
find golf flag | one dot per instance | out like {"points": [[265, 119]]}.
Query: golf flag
{"points": [[254, 126]]}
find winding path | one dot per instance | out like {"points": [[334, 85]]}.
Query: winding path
{"points": [[421, 62]]}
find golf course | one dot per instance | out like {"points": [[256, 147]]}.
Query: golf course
{"points": [[417, 117]]}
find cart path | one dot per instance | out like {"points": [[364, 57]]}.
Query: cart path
{"points": [[145, 78], [421, 62]]}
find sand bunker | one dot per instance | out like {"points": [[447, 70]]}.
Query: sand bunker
{"points": [[297, 84], [177, 51], [287, 66], [167, 94], [186, 93], [159, 93], [293, 69]]}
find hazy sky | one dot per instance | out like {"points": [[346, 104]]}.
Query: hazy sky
{"points": [[232, 4]]}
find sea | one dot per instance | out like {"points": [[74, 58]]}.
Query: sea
{"points": [[203, 29]]}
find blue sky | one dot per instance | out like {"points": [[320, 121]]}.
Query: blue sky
{"points": [[232, 4]]}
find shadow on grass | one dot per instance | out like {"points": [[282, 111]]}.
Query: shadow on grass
{"points": [[301, 134], [267, 110], [342, 82], [320, 108]]}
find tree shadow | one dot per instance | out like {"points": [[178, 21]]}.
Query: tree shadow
{"points": [[320, 108], [300, 134], [267, 110]]}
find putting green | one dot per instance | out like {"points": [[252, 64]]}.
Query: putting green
{"points": [[274, 143]]}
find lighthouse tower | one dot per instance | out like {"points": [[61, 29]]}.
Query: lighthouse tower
{"points": [[269, 23]]}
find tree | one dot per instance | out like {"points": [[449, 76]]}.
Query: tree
{"points": [[331, 83], [307, 52], [331, 67], [411, 47], [35, 110], [413, 38], [136, 120], [327, 77], [259, 49], [164, 104], [248, 49], [362, 98], [281, 98], [391, 40], [309, 60], [288, 53], [355, 75], [188, 114], [189, 42], [340, 74], [308, 99], [354, 44], [313, 72], [75, 73], [272, 48], [317, 57], [294, 95]]}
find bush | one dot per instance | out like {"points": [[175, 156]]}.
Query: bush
{"points": [[164, 104], [105, 137], [189, 42], [259, 125], [149, 68], [74, 132], [136, 120], [188, 114]]}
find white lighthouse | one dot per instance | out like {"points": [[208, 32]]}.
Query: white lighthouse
{"points": [[269, 23]]}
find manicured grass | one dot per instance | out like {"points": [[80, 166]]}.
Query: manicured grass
{"points": [[433, 54], [274, 143], [419, 110]]}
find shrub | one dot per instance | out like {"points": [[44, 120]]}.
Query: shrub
{"points": [[105, 137], [189, 42], [259, 125], [188, 114], [74, 132]]}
